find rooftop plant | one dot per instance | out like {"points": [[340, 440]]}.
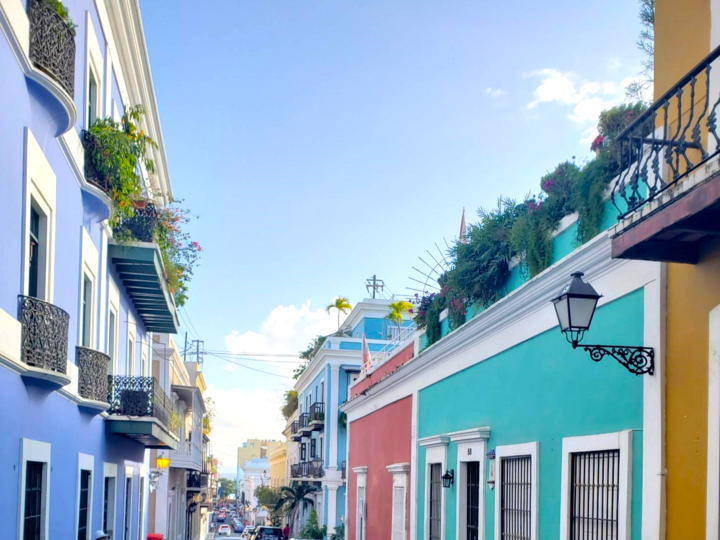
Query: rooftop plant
{"points": [[64, 13]]}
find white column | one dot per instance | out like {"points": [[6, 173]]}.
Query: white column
{"points": [[331, 508], [713, 458], [332, 413]]}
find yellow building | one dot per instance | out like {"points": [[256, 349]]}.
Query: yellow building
{"points": [[673, 196], [256, 448], [278, 466]]}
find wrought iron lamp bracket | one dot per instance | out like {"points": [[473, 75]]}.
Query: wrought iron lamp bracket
{"points": [[637, 360]]}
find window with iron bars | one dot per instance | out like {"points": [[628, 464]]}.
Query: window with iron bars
{"points": [[594, 495], [516, 498], [435, 517]]}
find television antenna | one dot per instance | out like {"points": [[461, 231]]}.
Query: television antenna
{"points": [[432, 267]]}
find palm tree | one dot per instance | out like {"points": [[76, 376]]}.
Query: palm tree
{"points": [[292, 499], [342, 305], [397, 309]]}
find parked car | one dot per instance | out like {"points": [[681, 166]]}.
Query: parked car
{"points": [[221, 517], [247, 533], [237, 525], [268, 533], [224, 530]]}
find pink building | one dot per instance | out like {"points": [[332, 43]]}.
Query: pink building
{"points": [[379, 457]]}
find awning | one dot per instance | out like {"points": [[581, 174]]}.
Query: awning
{"points": [[140, 268]]}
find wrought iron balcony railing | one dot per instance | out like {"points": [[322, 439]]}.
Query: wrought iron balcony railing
{"points": [[138, 396], [315, 469], [675, 136], [44, 341], [304, 421], [196, 480], [142, 225], [93, 370], [52, 44], [317, 412], [294, 427]]}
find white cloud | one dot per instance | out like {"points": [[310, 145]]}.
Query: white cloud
{"points": [[255, 412], [555, 86], [495, 92]]}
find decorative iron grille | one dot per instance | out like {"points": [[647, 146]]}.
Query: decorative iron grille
{"points": [[196, 480], [315, 469], [92, 175], [303, 420], [44, 334], [472, 499], [594, 491], [294, 427], [142, 225], [516, 498], [670, 140], [295, 470], [52, 44], [138, 396], [435, 517], [93, 371]]}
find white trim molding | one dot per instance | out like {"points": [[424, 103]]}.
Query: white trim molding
{"points": [[86, 462], [360, 502], [712, 526], [531, 449], [399, 473], [40, 452], [435, 452], [622, 441], [471, 447]]}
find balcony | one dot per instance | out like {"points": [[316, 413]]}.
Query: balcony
{"points": [[295, 431], [189, 454], [668, 193], [44, 340], [140, 268], [307, 469], [317, 416], [304, 424], [93, 377], [140, 410], [52, 45], [196, 481]]}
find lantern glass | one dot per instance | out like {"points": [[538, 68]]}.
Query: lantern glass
{"points": [[562, 310], [575, 306], [581, 311], [447, 478], [162, 462]]}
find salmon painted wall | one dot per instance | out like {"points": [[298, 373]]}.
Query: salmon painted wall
{"points": [[396, 361], [376, 441]]}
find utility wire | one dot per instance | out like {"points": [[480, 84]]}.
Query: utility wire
{"points": [[191, 323], [189, 327], [248, 367]]}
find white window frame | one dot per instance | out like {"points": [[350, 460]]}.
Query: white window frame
{"points": [[88, 268], [39, 451], [471, 447], [514, 450], [86, 462], [130, 358], [435, 452], [114, 305], [360, 503], [620, 440], [40, 190], [93, 64], [110, 471], [142, 501], [399, 473], [112, 310], [127, 508]]}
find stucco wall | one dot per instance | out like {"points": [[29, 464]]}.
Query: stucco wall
{"points": [[541, 390], [378, 440], [393, 363]]}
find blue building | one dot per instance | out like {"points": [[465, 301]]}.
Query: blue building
{"points": [[317, 428], [77, 309]]}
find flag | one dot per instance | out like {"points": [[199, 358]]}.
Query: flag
{"points": [[367, 359], [463, 240]]}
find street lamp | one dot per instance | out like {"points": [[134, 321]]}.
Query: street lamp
{"points": [[448, 478], [161, 463], [575, 307]]}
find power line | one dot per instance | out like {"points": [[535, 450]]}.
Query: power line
{"points": [[190, 328], [258, 359], [191, 324], [230, 353], [248, 367]]}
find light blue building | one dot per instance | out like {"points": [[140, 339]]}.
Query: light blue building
{"points": [[318, 436], [75, 306]]}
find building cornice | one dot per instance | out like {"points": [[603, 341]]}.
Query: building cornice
{"points": [[396, 468], [470, 435], [593, 258], [435, 440]]}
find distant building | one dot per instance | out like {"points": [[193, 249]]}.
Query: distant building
{"points": [[278, 466], [256, 448]]}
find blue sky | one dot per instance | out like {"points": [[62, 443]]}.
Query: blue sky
{"points": [[322, 142]]}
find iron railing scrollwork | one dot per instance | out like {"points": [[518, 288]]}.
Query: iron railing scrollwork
{"points": [[93, 373], [44, 341], [669, 140], [52, 44], [317, 412], [138, 396], [142, 225]]}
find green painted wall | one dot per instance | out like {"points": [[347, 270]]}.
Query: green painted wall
{"points": [[541, 390]]}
